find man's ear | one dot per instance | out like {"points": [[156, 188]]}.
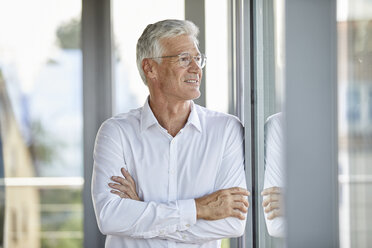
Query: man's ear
{"points": [[149, 68]]}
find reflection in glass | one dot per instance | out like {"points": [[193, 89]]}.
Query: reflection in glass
{"points": [[274, 180], [354, 20], [40, 119], [269, 84]]}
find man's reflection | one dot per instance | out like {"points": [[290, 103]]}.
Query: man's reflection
{"points": [[274, 176]]}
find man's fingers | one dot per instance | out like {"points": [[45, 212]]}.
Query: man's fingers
{"points": [[119, 187], [271, 206], [127, 176], [273, 214], [125, 189], [237, 214], [231, 202], [238, 191], [240, 198], [270, 198], [120, 194], [124, 182], [119, 180], [272, 190], [240, 206]]}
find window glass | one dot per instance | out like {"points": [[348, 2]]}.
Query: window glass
{"points": [[129, 21], [355, 124], [353, 105], [217, 50], [268, 121], [41, 123], [370, 104], [217, 74]]}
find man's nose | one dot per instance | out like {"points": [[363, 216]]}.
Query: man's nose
{"points": [[194, 66]]}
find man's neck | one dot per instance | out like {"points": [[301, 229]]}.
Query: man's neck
{"points": [[171, 115]]}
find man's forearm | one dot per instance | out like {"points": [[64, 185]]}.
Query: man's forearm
{"points": [[220, 214], [204, 231], [137, 219]]}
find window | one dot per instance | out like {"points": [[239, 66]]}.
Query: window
{"points": [[268, 31], [355, 147], [370, 107], [217, 73], [41, 122], [130, 91], [353, 105]]}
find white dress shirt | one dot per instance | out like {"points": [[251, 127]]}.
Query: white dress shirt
{"points": [[274, 168], [170, 172]]}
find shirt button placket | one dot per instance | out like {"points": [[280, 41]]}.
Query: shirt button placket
{"points": [[172, 196]]}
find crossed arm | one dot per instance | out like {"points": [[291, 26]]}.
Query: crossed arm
{"points": [[216, 213], [231, 202], [272, 202], [211, 217]]}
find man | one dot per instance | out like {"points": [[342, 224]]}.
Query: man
{"points": [[183, 182], [274, 176]]}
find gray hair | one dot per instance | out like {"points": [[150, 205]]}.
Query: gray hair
{"points": [[149, 46]]}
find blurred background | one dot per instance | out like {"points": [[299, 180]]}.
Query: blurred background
{"points": [[46, 133]]}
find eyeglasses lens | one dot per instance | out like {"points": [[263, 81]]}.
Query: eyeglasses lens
{"points": [[185, 60]]}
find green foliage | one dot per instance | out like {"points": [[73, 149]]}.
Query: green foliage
{"points": [[66, 220], [62, 221], [68, 34], [43, 148], [61, 243], [61, 196]]}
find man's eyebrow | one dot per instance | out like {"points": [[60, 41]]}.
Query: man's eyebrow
{"points": [[191, 53]]}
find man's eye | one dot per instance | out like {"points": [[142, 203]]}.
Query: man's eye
{"points": [[184, 59], [197, 58]]}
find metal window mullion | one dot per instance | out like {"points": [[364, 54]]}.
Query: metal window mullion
{"points": [[247, 80], [232, 58], [241, 68], [195, 12], [239, 75], [97, 97]]}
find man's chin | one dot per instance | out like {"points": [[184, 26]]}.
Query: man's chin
{"points": [[196, 96]]}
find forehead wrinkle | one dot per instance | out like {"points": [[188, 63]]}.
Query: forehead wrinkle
{"points": [[173, 46]]}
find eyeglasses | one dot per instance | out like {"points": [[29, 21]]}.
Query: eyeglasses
{"points": [[184, 59]]}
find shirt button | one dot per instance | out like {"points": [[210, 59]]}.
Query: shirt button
{"points": [[171, 172]]}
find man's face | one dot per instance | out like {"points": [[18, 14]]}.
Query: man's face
{"points": [[175, 81]]}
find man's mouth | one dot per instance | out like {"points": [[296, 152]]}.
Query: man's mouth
{"points": [[192, 81]]}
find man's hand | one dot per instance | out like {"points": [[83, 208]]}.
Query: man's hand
{"points": [[273, 202], [223, 203], [125, 187]]}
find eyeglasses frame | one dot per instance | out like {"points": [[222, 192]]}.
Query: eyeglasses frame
{"points": [[183, 53]]}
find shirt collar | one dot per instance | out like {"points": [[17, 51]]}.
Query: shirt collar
{"points": [[148, 118], [194, 118]]}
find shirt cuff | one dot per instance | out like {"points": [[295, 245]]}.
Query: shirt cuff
{"points": [[187, 214]]}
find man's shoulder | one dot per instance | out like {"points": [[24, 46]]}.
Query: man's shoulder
{"points": [[277, 117], [215, 117], [130, 118], [274, 121]]}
